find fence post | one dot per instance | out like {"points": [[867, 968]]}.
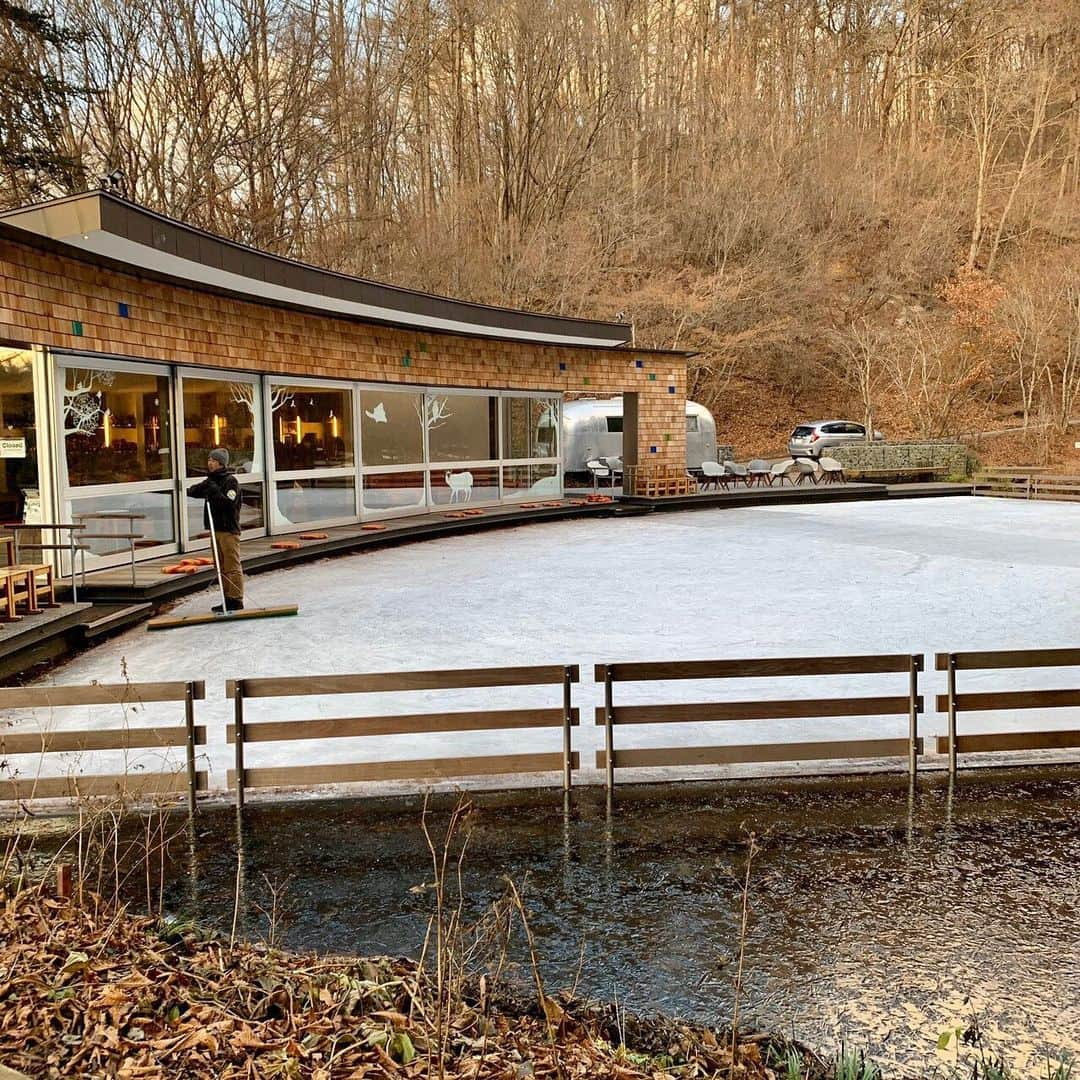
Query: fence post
{"points": [[189, 723], [609, 731], [914, 667], [567, 716], [238, 720], [952, 713]]}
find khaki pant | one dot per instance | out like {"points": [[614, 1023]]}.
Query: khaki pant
{"points": [[227, 556]]}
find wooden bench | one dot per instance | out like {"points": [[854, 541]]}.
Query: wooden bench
{"points": [[72, 546]]}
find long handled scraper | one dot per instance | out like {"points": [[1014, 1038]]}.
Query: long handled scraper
{"points": [[169, 623]]}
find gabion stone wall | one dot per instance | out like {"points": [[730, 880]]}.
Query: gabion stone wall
{"points": [[950, 456], [725, 453]]}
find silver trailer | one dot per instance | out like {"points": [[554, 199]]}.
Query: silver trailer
{"points": [[593, 428]]}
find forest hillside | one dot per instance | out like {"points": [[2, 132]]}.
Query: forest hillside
{"points": [[864, 207]]}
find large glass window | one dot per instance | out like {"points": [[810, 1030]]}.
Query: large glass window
{"points": [[18, 435], [530, 427], [221, 414], [395, 492], [116, 426], [312, 427], [392, 427], [461, 486], [322, 498], [252, 514], [107, 535], [531, 481], [462, 427]]}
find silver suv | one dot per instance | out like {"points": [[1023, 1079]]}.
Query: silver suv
{"points": [[812, 440]]}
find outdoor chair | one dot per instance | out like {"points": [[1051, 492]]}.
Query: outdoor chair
{"points": [[781, 469], [806, 468], [832, 472], [616, 467], [599, 472], [758, 473], [712, 475], [737, 472]]}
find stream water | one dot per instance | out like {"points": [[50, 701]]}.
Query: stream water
{"points": [[878, 914]]}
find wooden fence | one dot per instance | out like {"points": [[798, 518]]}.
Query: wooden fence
{"points": [[46, 742], [955, 703], [611, 716], [667, 715], [1025, 484], [243, 732]]}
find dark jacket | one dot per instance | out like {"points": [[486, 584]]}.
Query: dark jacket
{"points": [[223, 497]]}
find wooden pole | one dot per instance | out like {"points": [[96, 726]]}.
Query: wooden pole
{"points": [[952, 713], [189, 723], [609, 732], [63, 881], [567, 716], [238, 707], [913, 714]]}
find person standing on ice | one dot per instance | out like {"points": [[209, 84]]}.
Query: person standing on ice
{"points": [[222, 495]]}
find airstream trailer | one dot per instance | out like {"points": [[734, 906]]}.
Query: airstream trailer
{"points": [[593, 428]]}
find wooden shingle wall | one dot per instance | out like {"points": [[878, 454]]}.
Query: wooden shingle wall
{"points": [[59, 302]]}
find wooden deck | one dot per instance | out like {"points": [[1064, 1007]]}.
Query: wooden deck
{"points": [[789, 495]]}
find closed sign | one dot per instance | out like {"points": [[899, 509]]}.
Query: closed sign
{"points": [[12, 448]]}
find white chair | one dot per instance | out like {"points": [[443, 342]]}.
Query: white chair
{"points": [[713, 474], [807, 468], [780, 470], [759, 472], [599, 471], [737, 472], [832, 471], [616, 467]]}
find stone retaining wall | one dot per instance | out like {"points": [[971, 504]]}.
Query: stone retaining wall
{"points": [[951, 456]]}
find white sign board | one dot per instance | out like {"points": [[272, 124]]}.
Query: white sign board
{"points": [[32, 507], [10, 448]]}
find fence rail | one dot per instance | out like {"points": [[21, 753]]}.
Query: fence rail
{"points": [[244, 731], [46, 742], [611, 716], [1025, 484], [954, 703]]}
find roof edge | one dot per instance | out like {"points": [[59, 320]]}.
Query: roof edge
{"points": [[124, 224]]}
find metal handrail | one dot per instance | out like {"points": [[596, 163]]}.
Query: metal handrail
{"points": [[71, 547]]}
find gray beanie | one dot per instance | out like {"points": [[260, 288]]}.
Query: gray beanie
{"points": [[220, 455]]}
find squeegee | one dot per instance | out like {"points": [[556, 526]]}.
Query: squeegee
{"points": [[224, 616]]}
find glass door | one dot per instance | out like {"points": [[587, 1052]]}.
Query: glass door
{"points": [[221, 409], [20, 498], [116, 455]]}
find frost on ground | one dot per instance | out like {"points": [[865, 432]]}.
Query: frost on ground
{"points": [[915, 576]]}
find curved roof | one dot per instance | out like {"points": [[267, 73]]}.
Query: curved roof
{"points": [[123, 235]]}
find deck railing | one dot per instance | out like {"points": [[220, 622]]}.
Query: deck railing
{"points": [[1026, 484]]}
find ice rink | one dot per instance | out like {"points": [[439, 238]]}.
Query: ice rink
{"points": [[841, 578]]}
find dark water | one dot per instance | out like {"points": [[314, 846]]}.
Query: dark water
{"points": [[874, 910]]}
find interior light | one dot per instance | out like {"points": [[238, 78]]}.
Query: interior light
{"points": [[218, 425], [108, 428]]}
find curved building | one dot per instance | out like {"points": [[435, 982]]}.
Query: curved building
{"points": [[131, 345]]}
